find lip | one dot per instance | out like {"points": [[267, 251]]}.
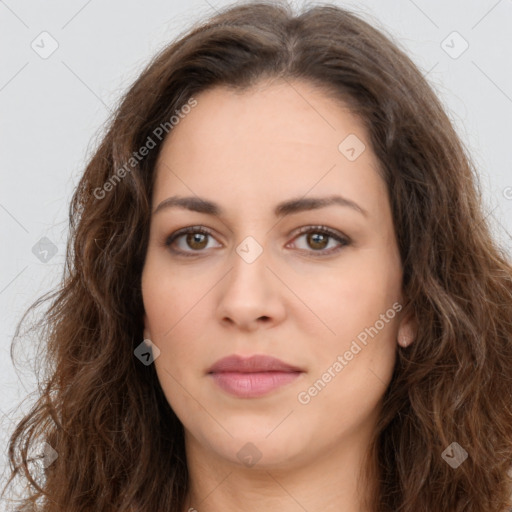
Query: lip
{"points": [[252, 364], [252, 377]]}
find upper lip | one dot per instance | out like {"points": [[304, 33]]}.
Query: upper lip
{"points": [[252, 364]]}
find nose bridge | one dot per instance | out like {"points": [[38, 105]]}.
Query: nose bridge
{"points": [[249, 261], [250, 249], [249, 292]]}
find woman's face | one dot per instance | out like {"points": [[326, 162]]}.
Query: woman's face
{"points": [[254, 285]]}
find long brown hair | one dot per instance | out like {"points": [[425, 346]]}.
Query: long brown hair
{"points": [[119, 444]]}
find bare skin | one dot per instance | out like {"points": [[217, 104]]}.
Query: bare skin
{"points": [[247, 152]]}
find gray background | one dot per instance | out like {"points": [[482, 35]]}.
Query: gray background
{"points": [[53, 109]]}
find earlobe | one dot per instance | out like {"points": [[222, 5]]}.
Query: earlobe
{"points": [[408, 330]]}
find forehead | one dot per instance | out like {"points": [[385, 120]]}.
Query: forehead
{"points": [[267, 142]]}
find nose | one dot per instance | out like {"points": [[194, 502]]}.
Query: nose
{"points": [[251, 296]]}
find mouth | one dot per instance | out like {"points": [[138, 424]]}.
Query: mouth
{"points": [[252, 377]]}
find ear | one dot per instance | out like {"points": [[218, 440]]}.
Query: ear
{"points": [[407, 330]]}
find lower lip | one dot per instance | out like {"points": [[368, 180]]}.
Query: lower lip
{"points": [[252, 385]]}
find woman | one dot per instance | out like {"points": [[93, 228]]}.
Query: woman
{"points": [[281, 291]]}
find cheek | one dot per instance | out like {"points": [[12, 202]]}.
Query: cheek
{"points": [[162, 311], [173, 318], [166, 296], [175, 311], [357, 307], [353, 295]]}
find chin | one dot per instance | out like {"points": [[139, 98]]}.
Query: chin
{"points": [[258, 446]]}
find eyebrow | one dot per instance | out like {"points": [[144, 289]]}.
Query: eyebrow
{"points": [[291, 206]]}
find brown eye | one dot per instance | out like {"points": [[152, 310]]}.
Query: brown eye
{"points": [[196, 240], [193, 239], [318, 238]]}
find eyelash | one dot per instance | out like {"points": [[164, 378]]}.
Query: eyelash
{"points": [[344, 241]]}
